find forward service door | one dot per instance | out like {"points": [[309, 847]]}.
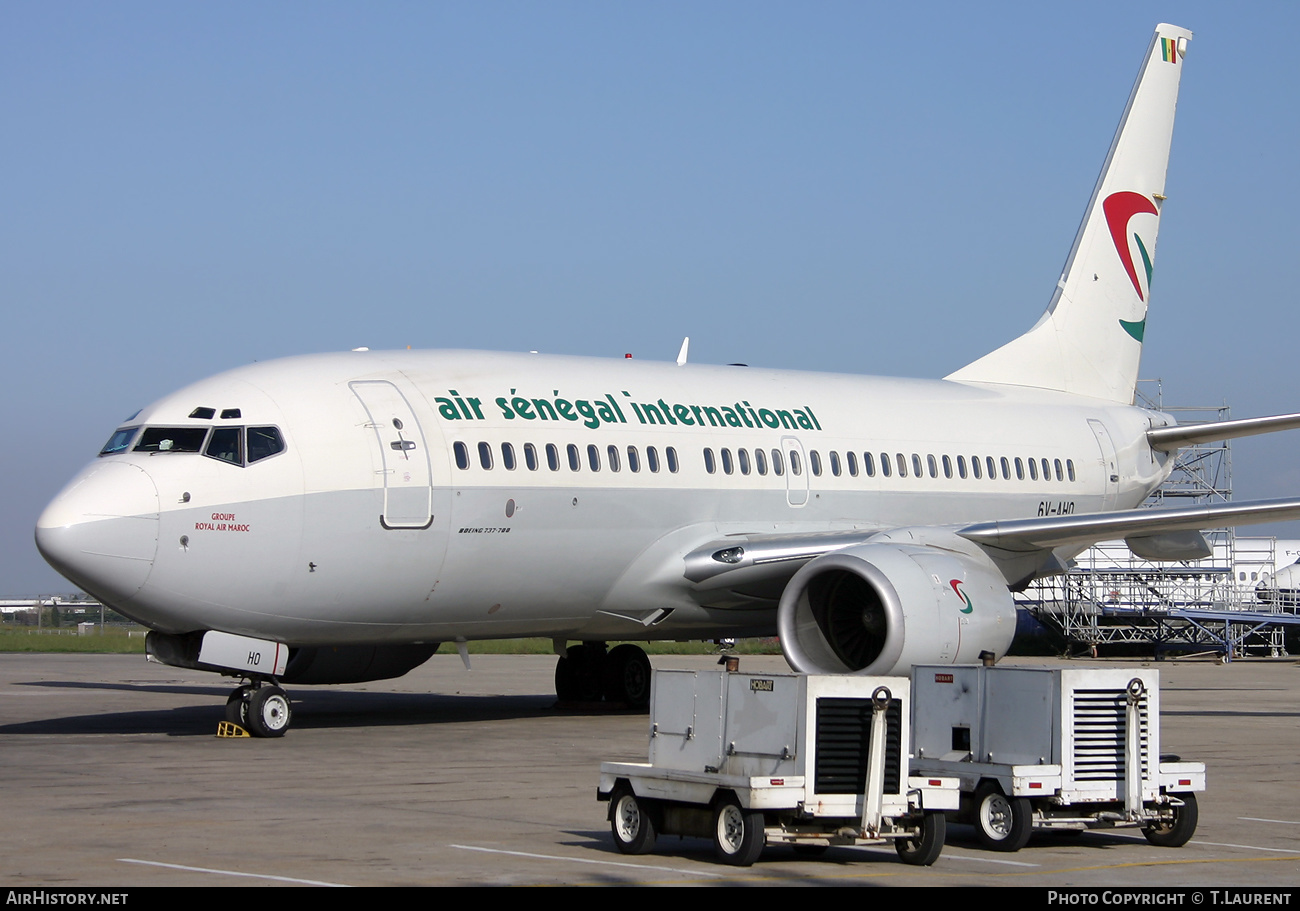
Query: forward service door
{"points": [[406, 474]]}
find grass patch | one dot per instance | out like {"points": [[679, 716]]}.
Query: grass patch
{"points": [[113, 640], [117, 640], [543, 647]]}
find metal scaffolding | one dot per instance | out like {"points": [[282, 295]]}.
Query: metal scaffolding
{"points": [[1112, 596]]}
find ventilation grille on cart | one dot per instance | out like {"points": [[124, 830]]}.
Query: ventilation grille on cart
{"points": [[1099, 735], [844, 742]]}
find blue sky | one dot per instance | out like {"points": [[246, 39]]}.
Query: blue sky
{"points": [[857, 187]]}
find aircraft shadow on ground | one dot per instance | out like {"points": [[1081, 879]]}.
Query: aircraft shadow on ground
{"points": [[311, 710]]}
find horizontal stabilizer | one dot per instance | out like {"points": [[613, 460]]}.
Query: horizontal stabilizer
{"points": [[1169, 439]]}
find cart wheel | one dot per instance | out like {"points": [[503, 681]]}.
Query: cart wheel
{"points": [[925, 848], [738, 836], [268, 712], [1002, 823], [1180, 830], [631, 822]]}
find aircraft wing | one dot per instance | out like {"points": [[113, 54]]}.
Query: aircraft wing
{"points": [[1050, 532], [753, 568]]}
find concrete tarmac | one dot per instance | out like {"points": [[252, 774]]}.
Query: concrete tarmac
{"points": [[113, 776]]}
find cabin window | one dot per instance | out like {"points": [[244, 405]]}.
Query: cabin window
{"points": [[120, 441], [947, 466], [709, 466], [1006, 469], [796, 466], [172, 439], [835, 463], [1047, 471], [1059, 475], [884, 464], [633, 460], [760, 462], [961, 467], [900, 461], [462, 455], [727, 465], [552, 457], [852, 459], [916, 465], [933, 465], [1069, 468], [992, 466], [975, 467], [1033, 470], [778, 463], [868, 464], [575, 458], [530, 456], [227, 445], [508, 456], [612, 454], [652, 458], [1020, 469], [593, 456], [485, 455], [815, 461], [670, 454], [742, 455]]}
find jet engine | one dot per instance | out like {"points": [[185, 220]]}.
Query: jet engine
{"points": [[884, 606]]}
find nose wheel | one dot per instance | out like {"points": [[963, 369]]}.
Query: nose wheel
{"points": [[263, 710]]}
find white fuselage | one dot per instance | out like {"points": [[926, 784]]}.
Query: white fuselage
{"points": [[364, 531]]}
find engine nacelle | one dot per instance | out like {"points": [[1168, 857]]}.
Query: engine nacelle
{"points": [[880, 608]]}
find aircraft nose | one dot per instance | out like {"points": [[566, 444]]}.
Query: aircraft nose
{"points": [[101, 531]]}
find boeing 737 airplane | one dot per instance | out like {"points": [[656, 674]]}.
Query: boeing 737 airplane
{"points": [[333, 518]]}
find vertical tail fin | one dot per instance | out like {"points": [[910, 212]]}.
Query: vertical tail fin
{"points": [[1089, 341]]}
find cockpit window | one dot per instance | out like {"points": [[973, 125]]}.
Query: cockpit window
{"points": [[227, 444], [263, 442], [172, 439], [120, 441]]}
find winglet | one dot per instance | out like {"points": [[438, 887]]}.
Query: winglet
{"points": [[1089, 341], [681, 355]]}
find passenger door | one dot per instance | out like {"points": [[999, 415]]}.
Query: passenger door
{"points": [[407, 478]]}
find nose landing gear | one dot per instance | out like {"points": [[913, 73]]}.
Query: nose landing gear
{"points": [[262, 709]]}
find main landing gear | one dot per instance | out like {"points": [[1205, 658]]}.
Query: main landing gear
{"points": [[589, 673], [260, 708]]}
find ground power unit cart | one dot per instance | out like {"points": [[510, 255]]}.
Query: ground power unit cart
{"points": [[755, 759], [1062, 749]]}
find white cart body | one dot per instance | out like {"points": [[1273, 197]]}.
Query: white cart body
{"points": [[802, 749], [1083, 744]]}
